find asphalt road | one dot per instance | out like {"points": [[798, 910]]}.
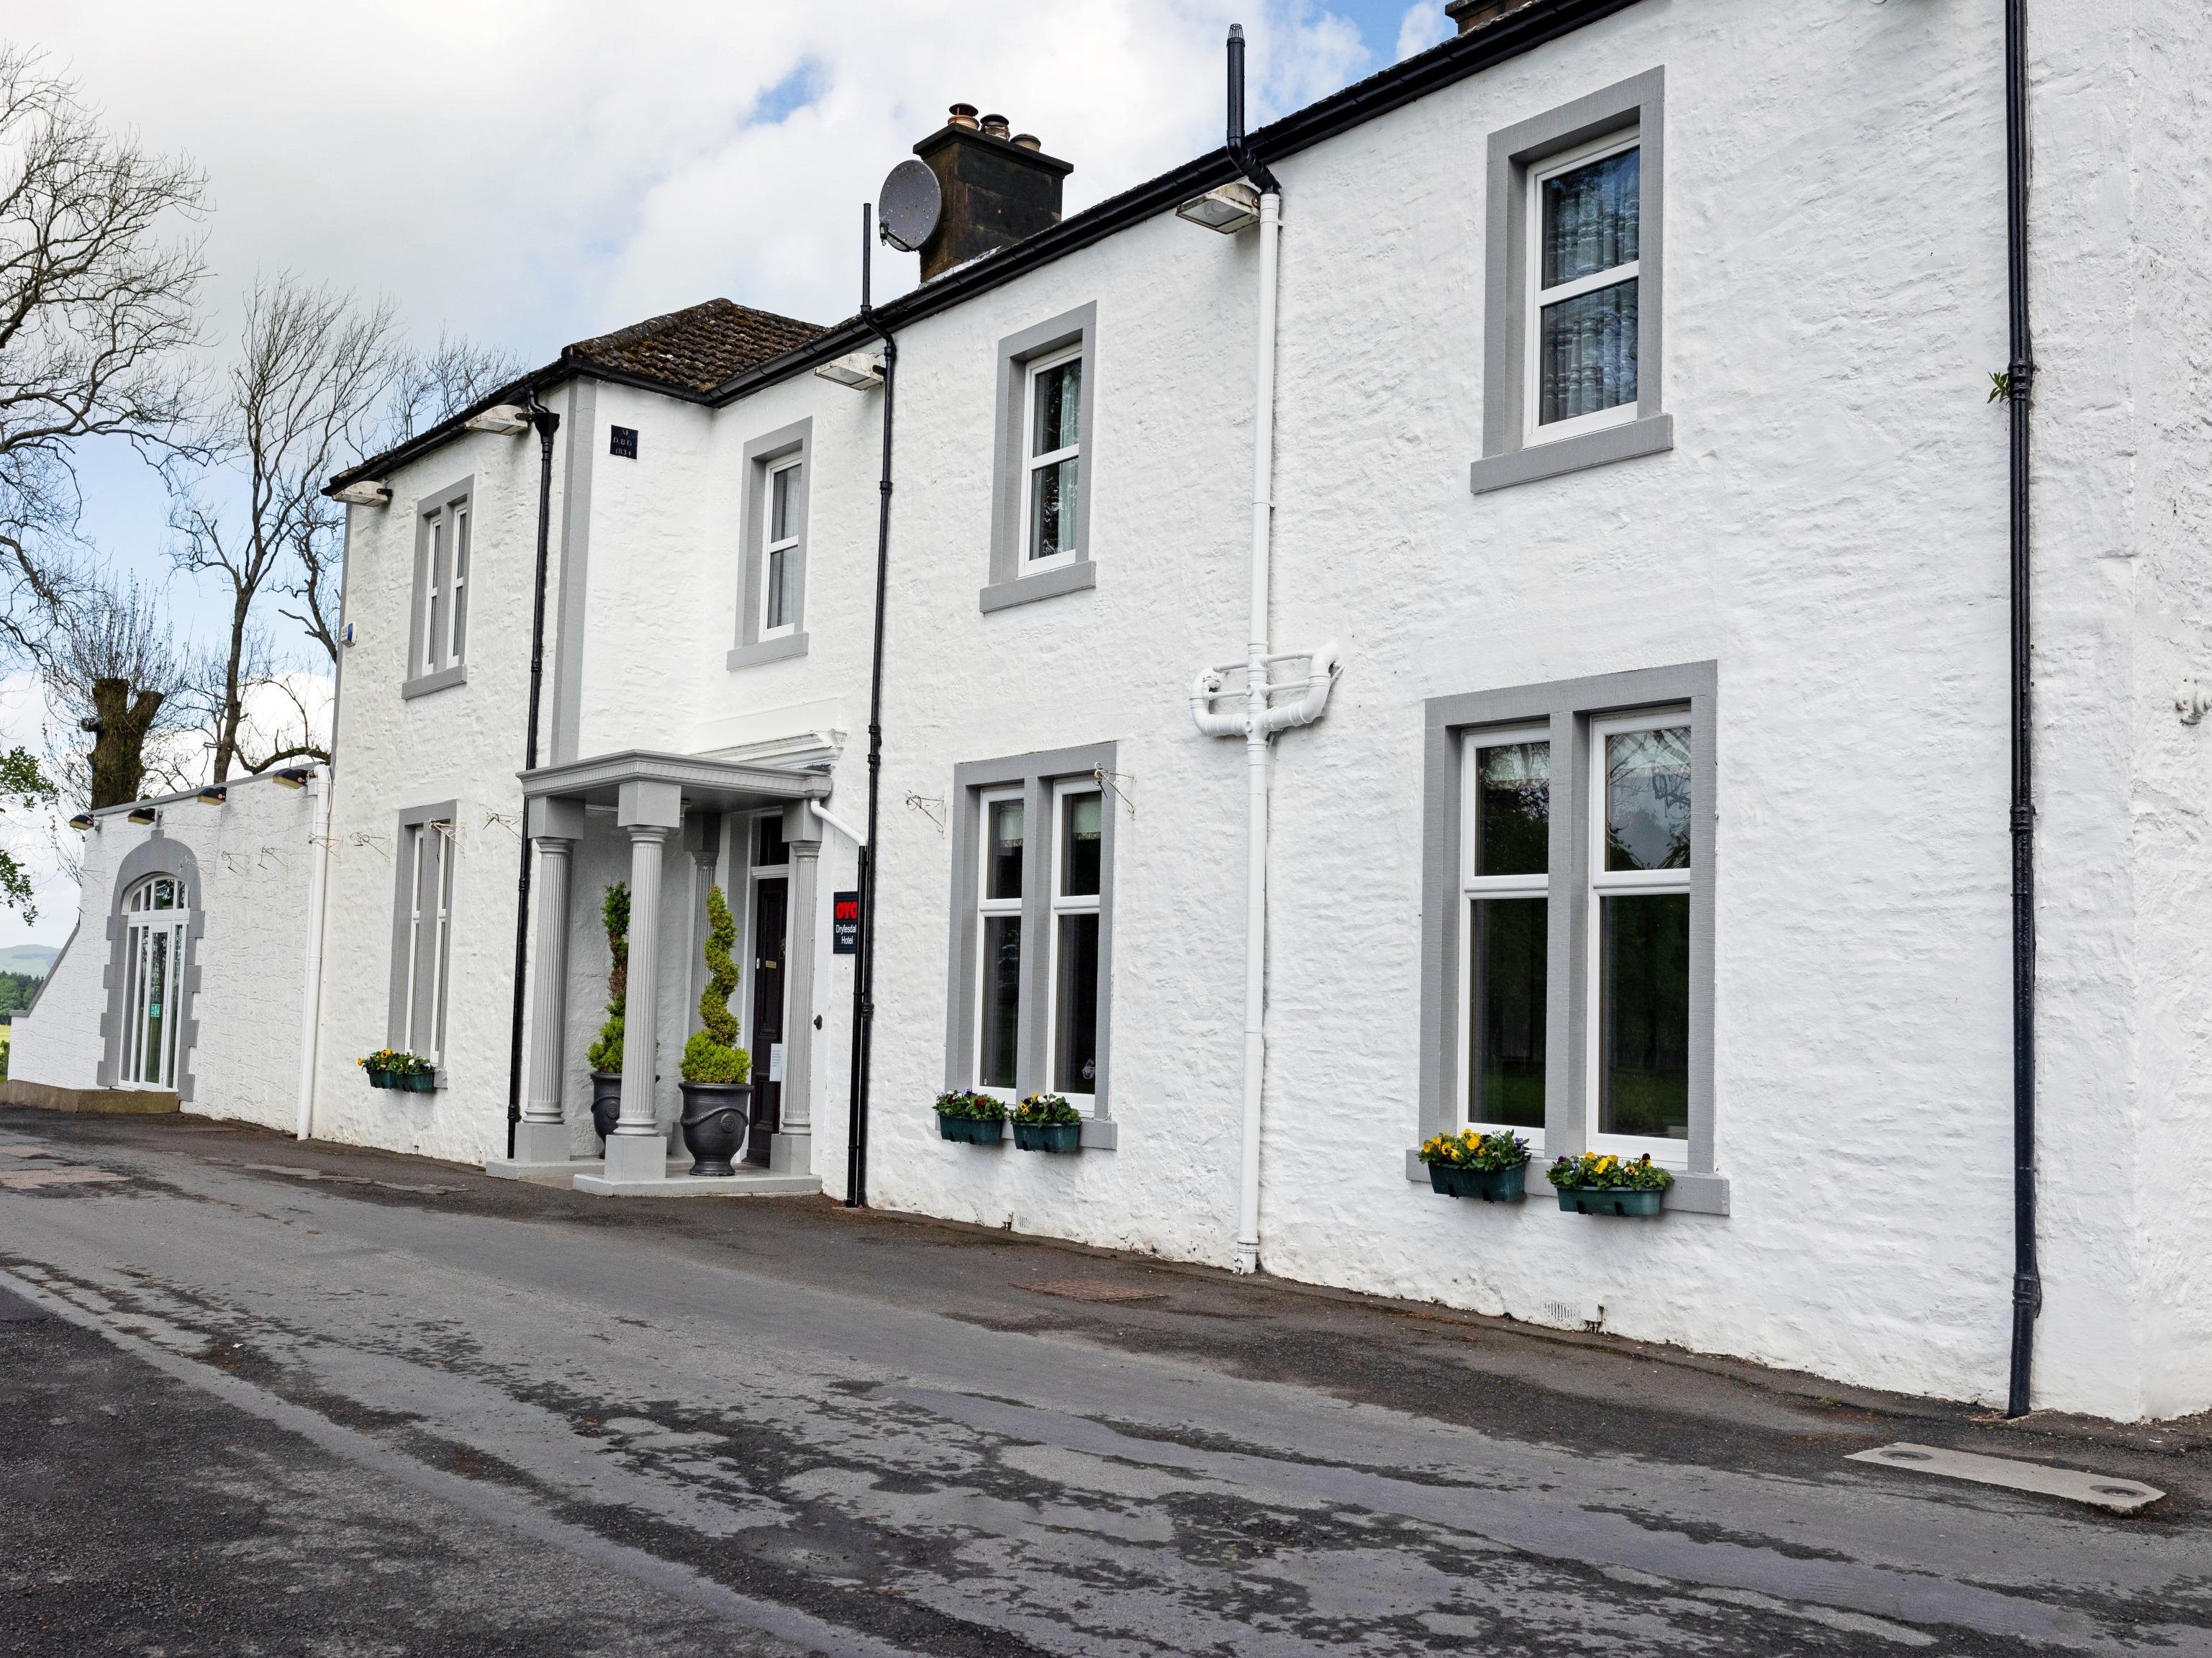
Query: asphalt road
{"points": [[256, 1398]]}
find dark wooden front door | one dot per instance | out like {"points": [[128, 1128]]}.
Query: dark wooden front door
{"points": [[769, 906]]}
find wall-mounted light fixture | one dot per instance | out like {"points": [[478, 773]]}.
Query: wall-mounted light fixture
{"points": [[1233, 207], [84, 820], [861, 370], [365, 493], [503, 420], [213, 795], [144, 815], [293, 777]]}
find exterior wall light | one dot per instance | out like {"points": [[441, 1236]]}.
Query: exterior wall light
{"points": [[1230, 208], [84, 820], [214, 795], [504, 420], [293, 777], [365, 493], [861, 370], [144, 815]]}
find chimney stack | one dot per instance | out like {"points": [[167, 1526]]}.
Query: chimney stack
{"points": [[997, 189]]}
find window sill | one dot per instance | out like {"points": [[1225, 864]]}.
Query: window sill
{"points": [[1692, 1194], [1028, 589], [456, 675], [1652, 435], [1098, 1135], [778, 649]]}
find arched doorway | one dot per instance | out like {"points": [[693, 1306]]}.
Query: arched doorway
{"points": [[155, 916]]}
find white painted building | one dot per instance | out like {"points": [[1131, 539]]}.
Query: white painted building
{"points": [[1699, 602]]}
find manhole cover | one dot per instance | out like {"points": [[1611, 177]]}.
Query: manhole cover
{"points": [[1092, 1289]]}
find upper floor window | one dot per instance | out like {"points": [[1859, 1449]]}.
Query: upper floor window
{"points": [[1584, 277], [1055, 460], [1044, 472], [439, 632], [1572, 291], [772, 583]]}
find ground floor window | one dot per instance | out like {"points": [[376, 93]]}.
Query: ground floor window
{"points": [[1568, 992], [156, 920], [1032, 934], [421, 933]]}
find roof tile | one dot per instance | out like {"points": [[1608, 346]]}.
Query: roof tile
{"points": [[696, 349]]}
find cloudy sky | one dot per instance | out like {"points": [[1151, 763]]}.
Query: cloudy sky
{"points": [[532, 174]]}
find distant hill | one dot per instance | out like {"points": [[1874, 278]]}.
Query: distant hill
{"points": [[33, 960]]}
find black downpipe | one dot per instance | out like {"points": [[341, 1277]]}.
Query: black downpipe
{"points": [[864, 967], [547, 424], [2020, 385], [1246, 163]]}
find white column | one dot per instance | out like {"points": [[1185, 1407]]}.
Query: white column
{"points": [[791, 1150], [649, 813], [543, 1135]]}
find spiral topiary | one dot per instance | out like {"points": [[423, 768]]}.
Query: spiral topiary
{"points": [[712, 1054], [605, 1054]]}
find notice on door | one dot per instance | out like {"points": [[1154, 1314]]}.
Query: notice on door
{"points": [[844, 923], [776, 1062]]}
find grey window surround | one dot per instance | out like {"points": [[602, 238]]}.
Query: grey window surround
{"points": [[1008, 586], [156, 855], [1567, 706], [1507, 457], [577, 428], [761, 456], [1034, 775], [396, 1014], [429, 507]]}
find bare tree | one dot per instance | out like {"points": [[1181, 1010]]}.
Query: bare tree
{"points": [[312, 367], [95, 306], [115, 671], [426, 388], [279, 718]]}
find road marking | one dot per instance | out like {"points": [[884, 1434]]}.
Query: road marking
{"points": [[2098, 1490]]}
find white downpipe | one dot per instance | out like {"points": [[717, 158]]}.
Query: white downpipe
{"points": [[837, 823], [1256, 745], [319, 860]]}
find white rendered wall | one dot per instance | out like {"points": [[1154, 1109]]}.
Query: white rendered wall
{"points": [[252, 854], [1830, 528]]}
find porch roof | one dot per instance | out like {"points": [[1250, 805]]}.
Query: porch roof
{"points": [[710, 785]]}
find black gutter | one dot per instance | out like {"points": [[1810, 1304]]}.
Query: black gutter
{"points": [[864, 965], [1455, 60], [2020, 385], [547, 424]]}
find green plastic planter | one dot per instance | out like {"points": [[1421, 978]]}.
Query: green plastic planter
{"points": [[1609, 1200], [1048, 1135], [1490, 1185], [971, 1131], [408, 1082]]}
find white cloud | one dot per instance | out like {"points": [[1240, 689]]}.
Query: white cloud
{"points": [[1422, 26]]}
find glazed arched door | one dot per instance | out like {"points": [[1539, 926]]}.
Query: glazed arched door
{"points": [[154, 920]]}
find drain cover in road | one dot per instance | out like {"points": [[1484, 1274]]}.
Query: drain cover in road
{"points": [[2099, 1491], [1092, 1289]]}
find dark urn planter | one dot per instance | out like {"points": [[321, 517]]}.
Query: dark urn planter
{"points": [[972, 1131], [1609, 1200], [606, 1101], [715, 1118], [1048, 1135], [1490, 1185]]}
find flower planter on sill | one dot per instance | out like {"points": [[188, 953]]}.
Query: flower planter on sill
{"points": [[408, 1082], [1610, 1200], [1048, 1135], [973, 1131], [1490, 1185]]}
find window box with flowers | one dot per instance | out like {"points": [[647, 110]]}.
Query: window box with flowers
{"points": [[1493, 1167], [408, 1073], [1046, 1122], [1595, 1184], [975, 1118]]}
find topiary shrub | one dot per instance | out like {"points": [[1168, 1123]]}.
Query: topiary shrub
{"points": [[712, 1054], [605, 1054]]}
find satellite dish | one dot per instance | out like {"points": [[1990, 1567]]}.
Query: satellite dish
{"points": [[908, 208]]}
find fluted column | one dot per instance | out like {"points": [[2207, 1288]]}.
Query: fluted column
{"points": [[649, 814], [791, 1150], [542, 1135]]}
